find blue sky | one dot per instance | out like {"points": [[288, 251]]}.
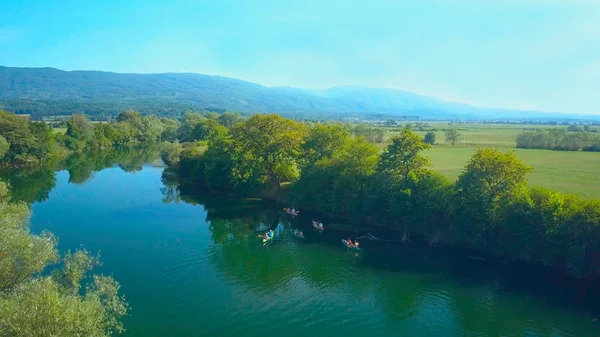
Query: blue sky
{"points": [[527, 54]]}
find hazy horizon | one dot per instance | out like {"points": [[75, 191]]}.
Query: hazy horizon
{"points": [[541, 55]]}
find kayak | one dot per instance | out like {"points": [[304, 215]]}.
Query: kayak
{"points": [[290, 212], [320, 228], [295, 233], [268, 239], [349, 247]]}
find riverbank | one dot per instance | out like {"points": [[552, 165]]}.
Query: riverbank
{"points": [[374, 235], [190, 263], [324, 168], [415, 255]]}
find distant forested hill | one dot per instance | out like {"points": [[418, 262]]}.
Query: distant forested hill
{"points": [[50, 92]]}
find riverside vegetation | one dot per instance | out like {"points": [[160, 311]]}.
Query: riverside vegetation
{"points": [[55, 304], [41, 293], [26, 143], [566, 171], [327, 169], [573, 138]]}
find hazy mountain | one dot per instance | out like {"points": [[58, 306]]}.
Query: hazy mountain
{"points": [[49, 91]]}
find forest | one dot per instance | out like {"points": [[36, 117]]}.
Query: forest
{"points": [[47, 92]]}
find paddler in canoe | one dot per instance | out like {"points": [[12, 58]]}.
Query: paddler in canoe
{"points": [[351, 245], [298, 233], [318, 225], [268, 236], [291, 211]]}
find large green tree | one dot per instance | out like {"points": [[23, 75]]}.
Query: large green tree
{"points": [[267, 149], [188, 123], [490, 178], [170, 153], [79, 127], [324, 141], [105, 136], [336, 184], [229, 119], [490, 173], [204, 129], [429, 137], [399, 168], [79, 133], [36, 305], [403, 154], [29, 143], [152, 131], [452, 135], [133, 122], [170, 127], [219, 159]]}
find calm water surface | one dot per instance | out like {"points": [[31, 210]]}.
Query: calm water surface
{"points": [[192, 265]]}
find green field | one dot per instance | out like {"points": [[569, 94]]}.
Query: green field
{"points": [[61, 131], [569, 172]]}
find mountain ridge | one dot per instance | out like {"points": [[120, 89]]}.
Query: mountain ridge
{"points": [[52, 91]]}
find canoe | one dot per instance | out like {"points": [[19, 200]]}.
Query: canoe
{"points": [[268, 239], [351, 248], [316, 225], [298, 236], [291, 213]]}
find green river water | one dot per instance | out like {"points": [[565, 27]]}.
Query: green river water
{"points": [[190, 264]]}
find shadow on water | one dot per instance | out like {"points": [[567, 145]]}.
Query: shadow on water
{"points": [[234, 225], [30, 185]]}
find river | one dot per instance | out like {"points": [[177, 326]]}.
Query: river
{"points": [[191, 264]]}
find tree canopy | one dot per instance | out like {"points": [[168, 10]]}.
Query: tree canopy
{"points": [[33, 304], [267, 148], [332, 169], [452, 135], [429, 137]]}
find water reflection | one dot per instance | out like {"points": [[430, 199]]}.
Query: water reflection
{"points": [[34, 184], [439, 287], [186, 267], [30, 186], [82, 166]]}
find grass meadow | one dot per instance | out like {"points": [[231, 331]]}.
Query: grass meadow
{"points": [[60, 131], [565, 171]]}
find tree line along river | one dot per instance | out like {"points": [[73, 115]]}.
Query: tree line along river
{"points": [[190, 264]]}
